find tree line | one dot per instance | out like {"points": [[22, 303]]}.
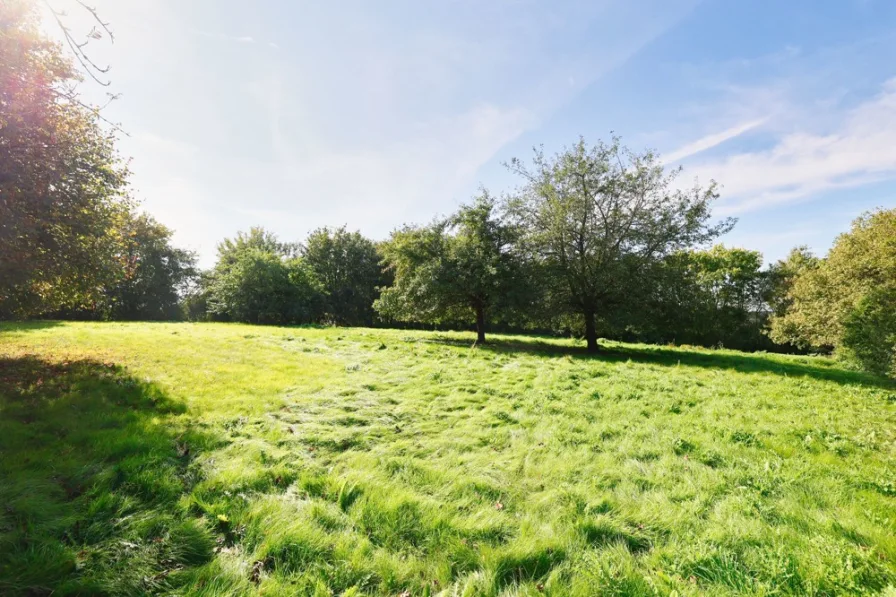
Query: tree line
{"points": [[596, 241]]}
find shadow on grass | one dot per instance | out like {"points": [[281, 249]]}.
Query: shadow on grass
{"points": [[27, 326], [90, 479], [671, 357]]}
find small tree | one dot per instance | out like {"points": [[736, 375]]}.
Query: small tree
{"points": [[456, 269], [595, 218], [348, 268]]}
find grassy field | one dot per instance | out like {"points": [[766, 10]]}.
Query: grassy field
{"points": [[206, 459]]}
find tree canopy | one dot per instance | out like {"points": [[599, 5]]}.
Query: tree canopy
{"points": [[712, 297], [261, 287], [848, 299], [258, 279], [265, 241]]}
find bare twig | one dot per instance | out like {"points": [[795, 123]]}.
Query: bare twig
{"points": [[94, 70]]}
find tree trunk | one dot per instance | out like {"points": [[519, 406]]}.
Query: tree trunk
{"points": [[591, 332], [480, 325]]}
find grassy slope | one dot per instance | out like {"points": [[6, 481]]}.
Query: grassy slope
{"points": [[222, 459]]}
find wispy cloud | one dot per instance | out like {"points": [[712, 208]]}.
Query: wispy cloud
{"points": [[415, 173], [240, 39], [858, 149], [713, 140]]}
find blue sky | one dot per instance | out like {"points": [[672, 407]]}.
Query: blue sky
{"points": [[294, 115]]}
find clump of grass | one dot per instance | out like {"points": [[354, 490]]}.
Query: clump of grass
{"points": [[92, 481], [311, 461], [602, 531]]}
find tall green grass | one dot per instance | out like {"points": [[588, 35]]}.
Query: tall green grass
{"points": [[207, 459]]}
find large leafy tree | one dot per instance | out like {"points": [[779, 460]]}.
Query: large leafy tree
{"points": [[596, 218], [258, 279], [458, 269], [155, 273], [847, 301], [62, 185], [348, 267]]}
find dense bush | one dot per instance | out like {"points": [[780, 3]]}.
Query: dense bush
{"points": [[869, 332], [262, 287], [715, 297], [846, 300]]}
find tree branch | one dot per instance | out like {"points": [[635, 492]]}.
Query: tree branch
{"points": [[93, 70]]}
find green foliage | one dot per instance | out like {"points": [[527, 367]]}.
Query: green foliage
{"points": [[155, 274], [845, 300], [413, 256], [194, 303], [781, 276], [710, 298], [302, 461], [230, 249], [454, 270], [62, 184], [261, 287], [348, 268], [869, 331], [92, 481], [485, 261], [595, 218], [258, 279], [731, 277]]}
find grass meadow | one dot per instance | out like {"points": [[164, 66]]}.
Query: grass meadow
{"points": [[215, 459]]}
